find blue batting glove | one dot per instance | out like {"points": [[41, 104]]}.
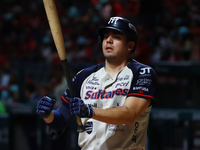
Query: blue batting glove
{"points": [[77, 107], [45, 106]]}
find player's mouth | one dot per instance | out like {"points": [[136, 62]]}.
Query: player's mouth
{"points": [[109, 48]]}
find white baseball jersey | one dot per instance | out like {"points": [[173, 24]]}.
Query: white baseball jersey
{"points": [[95, 86]]}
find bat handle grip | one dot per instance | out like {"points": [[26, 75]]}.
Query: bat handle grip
{"points": [[80, 127]]}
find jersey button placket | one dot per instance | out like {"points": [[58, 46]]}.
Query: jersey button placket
{"points": [[107, 78]]}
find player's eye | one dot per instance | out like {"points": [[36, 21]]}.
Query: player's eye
{"points": [[117, 36], [106, 36]]}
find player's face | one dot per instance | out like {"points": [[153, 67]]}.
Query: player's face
{"points": [[115, 45]]}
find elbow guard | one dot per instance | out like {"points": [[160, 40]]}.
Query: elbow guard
{"points": [[53, 134]]}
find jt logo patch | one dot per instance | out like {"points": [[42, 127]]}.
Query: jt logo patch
{"points": [[113, 20], [145, 70]]}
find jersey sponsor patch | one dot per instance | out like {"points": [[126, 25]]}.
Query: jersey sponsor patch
{"points": [[144, 75], [117, 103], [88, 127], [146, 82], [103, 94], [94, 81], [126, 77], [115, 128], [141, 88], [134, 137], [122, 84]]}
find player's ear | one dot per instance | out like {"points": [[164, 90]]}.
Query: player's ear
{"points": [[131, 45]]}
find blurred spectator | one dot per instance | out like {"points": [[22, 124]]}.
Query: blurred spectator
{"points": [[46, 48], [143, 50], [73, 11], [9, 87], [26, 27], [5, 75], [10, 94], [59, 90], [195, 55], [106, 11], [45, 89], [31, 94], [168, 30]]}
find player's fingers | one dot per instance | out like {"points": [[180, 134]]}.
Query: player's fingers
{"points": [[73, 107], [45, 103], [71, 111], [48, 99], [75, 110], [40, 112], [73, 100], [76, 100], [45, 108], [76, 113], [74, 103]]}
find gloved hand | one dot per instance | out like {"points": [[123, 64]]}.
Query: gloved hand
{"points": [[45, 106], [77, 107]]}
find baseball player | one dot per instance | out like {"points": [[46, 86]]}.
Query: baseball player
{"points": [[113, 98]]}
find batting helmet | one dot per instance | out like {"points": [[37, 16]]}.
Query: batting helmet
{"points": [[120, 24]]}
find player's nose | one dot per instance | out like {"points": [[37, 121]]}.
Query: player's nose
{"points": [[109, 39]]}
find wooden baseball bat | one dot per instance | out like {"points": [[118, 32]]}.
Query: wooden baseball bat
{"points": [[54, 23]]}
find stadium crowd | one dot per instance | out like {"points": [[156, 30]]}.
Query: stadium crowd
{"points": [[168, 30]]}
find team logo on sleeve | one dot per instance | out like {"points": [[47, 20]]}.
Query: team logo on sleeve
{"points": [[145, 70]]}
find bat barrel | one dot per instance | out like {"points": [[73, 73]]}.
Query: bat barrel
{"points": [[56, 31]]}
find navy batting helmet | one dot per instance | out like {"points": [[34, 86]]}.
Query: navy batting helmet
{"points": [[120, 24]]}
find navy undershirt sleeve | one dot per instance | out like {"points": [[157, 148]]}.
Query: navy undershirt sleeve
{"points": [[62, 118]]}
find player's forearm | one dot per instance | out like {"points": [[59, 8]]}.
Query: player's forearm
{"points": [[50, 118], [125, 114], [118, 115]]}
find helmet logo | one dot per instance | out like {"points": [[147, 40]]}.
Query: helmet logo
{"points": [[132, 27], [113, 20]]}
